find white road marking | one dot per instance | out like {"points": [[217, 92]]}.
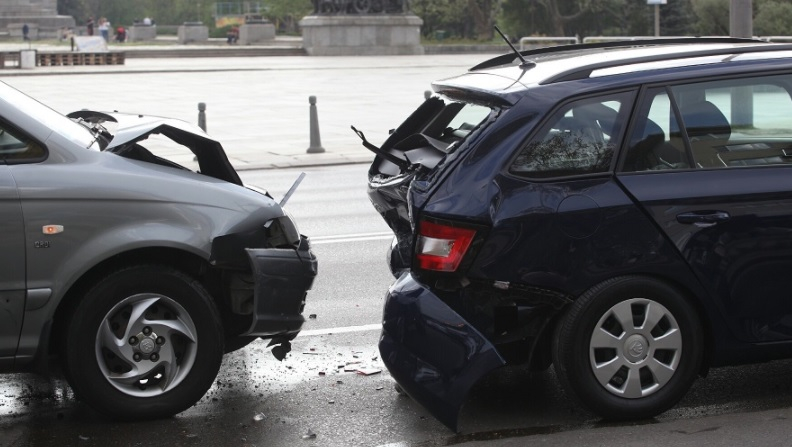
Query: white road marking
{"points": [[341, 330], [360, 237]]}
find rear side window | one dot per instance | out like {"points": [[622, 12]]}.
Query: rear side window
{"points": [[18, 148], [580, 138], [713, 125]]}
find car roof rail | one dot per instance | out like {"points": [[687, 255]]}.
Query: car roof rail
{"points": [[585, 71], [508, 58]]}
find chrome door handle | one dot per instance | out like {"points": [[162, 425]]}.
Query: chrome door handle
{"points": [[703, 218]]}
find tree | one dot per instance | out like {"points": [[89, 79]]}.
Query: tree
{"points": [[286, 14], [483, 13], [773, 18], [712, 17], [443, 15], [677, 18], [556, 17], [562, 13]]}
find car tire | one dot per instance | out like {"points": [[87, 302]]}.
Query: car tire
{"points": [[145, 342], [629, 348]]}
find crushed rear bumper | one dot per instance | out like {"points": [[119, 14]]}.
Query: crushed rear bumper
{"points": [[431, 351]]}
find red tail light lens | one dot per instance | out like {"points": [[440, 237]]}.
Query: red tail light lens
{"points": [[441, 247]]}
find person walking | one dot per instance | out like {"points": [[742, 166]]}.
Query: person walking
{"points": [[89, 26], [25, 31]]}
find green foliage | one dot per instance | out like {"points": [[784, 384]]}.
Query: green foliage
{"points": [[773, 18], [443, 15], [712, 17], [466, 20], [286, 14]]}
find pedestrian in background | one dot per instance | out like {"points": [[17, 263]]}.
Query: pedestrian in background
{"points": [[25, 31], [89, 26], [104, 29]]}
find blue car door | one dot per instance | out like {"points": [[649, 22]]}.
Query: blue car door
{"points": [[711, 163]]}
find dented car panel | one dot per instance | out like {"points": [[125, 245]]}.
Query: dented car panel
{"points": [[283, 277], [432, 352], [119, 133]]}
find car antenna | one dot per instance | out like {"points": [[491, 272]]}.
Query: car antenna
{"points": [[523, 61]]}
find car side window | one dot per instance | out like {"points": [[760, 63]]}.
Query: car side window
{"points": [[18, 148], [656, 142], [737, 122], [580, 138]]}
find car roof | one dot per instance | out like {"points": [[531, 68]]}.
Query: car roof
{"points": [[520, 70]]}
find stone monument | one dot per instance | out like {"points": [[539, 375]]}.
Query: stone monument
{"points": [[361, 27], [40, 15]]}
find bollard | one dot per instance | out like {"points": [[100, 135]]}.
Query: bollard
{"points": [[427, 94], [316, 142], [202, 116]]}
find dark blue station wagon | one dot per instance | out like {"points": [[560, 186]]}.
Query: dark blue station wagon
{"points": [[621, 211]]}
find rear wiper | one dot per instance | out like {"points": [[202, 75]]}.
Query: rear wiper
{"points": [[402, 163]]}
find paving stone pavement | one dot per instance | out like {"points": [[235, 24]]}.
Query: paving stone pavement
{"points": [[258, 107]]}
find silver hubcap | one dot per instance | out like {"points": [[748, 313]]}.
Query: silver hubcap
{"points": [[635, 348], [146, 345]]}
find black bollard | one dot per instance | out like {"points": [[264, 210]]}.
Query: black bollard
{"points": [[316, 143]]}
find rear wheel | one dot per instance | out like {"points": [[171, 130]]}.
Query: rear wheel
{"points": [[145, 342], [629, 348]]}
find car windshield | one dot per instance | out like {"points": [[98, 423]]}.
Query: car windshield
{"points": [[41, 120]]}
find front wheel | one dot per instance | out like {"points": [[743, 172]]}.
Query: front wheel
{"points": [[629, 348], [145, 342]]}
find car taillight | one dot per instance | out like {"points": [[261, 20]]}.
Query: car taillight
{"points": [[441, 247]]}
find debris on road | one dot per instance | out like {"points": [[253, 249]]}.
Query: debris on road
{"points": [[259, 417], [309, 435]]}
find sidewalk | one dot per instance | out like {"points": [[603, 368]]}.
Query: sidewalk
{"points": [[257, 107]]}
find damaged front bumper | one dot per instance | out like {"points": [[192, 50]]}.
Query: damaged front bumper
{"points": [[282, 278], [432, 352]]}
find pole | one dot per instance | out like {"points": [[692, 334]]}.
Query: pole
{"points": [[741, 25], [657, 20], [316, 142], [741, 18]]}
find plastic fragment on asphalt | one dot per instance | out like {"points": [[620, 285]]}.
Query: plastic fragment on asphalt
{"points": [[351, 366], [379, 388], [309, 435], [330, 401], [312, 316], [259, 417], [321, 373], [84, 438], [368, 371]]}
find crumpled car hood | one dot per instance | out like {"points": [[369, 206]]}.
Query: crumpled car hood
{"points": [[130, 129]]}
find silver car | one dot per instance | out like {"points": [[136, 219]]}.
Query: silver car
{"points": [[134, 272]]}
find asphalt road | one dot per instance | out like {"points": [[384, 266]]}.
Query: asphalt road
{"points": [[258, 401]]}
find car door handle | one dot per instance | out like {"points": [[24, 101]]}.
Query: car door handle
{"points": [[703, 218]]}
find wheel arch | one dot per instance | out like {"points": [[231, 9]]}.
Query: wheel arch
{"points": [[695, 300], [182, 260]]}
